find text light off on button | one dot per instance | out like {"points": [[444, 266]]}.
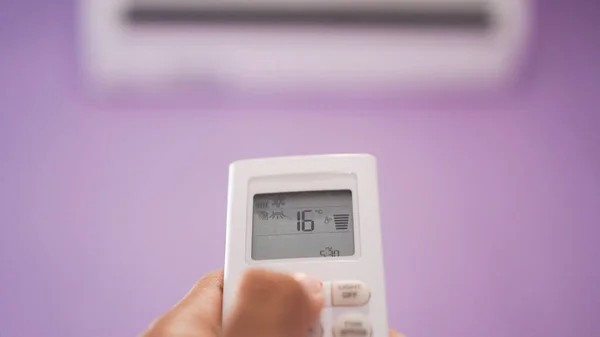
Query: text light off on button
{"points": [[349, 293]]}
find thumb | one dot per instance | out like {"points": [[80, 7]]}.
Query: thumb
{"points": [[198, 313], [274, 305]]}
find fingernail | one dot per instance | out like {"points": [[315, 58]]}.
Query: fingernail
{"points": [[310, 284]]}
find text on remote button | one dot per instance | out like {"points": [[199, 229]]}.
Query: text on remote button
{"points": [[352, 325], [349, 293]]}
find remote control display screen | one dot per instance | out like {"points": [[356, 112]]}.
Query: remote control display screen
{"points": [[311, 224]]}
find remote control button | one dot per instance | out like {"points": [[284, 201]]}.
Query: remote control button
{"points": [[352, 325], [349, 293], [316, 330]]}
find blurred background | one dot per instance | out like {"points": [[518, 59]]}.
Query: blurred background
{"points": [[113, 202]]}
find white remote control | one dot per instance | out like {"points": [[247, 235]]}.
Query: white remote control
{"points": [[317, 215]]}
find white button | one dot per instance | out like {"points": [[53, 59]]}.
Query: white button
{"points": [[352, 325], [349, 293], [316, 330]]}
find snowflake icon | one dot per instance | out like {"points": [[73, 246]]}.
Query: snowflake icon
{"points": [[278, 203]]}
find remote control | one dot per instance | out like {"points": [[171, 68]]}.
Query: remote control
{"points": [[317, 215]]}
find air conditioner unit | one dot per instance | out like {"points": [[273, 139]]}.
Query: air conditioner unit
{"points": [[282, 43]]}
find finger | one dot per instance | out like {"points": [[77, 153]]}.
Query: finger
{"points": [[199, 310], [394, 333], [205, 298], [274, 305], [314, 289]]}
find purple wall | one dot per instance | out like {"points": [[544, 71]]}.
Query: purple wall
{"points": [[110, 212]]}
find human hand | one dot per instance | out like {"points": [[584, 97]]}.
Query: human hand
{"points": [[269, 305]]}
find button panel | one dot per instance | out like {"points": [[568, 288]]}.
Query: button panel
{"points": [[349, 293], [352, 325], [346, 310]]}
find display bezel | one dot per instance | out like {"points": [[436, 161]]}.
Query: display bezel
{"points": [[302, 183]]}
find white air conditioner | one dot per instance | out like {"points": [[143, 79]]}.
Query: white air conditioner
{"points": [[282, 43]]}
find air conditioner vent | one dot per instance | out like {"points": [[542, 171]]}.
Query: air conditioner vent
{"points": [[423, 17]]}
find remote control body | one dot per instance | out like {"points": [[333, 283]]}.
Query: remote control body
{"points": [[317, 215]]}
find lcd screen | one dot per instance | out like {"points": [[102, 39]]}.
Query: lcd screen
{"points": [[311, 224]]}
